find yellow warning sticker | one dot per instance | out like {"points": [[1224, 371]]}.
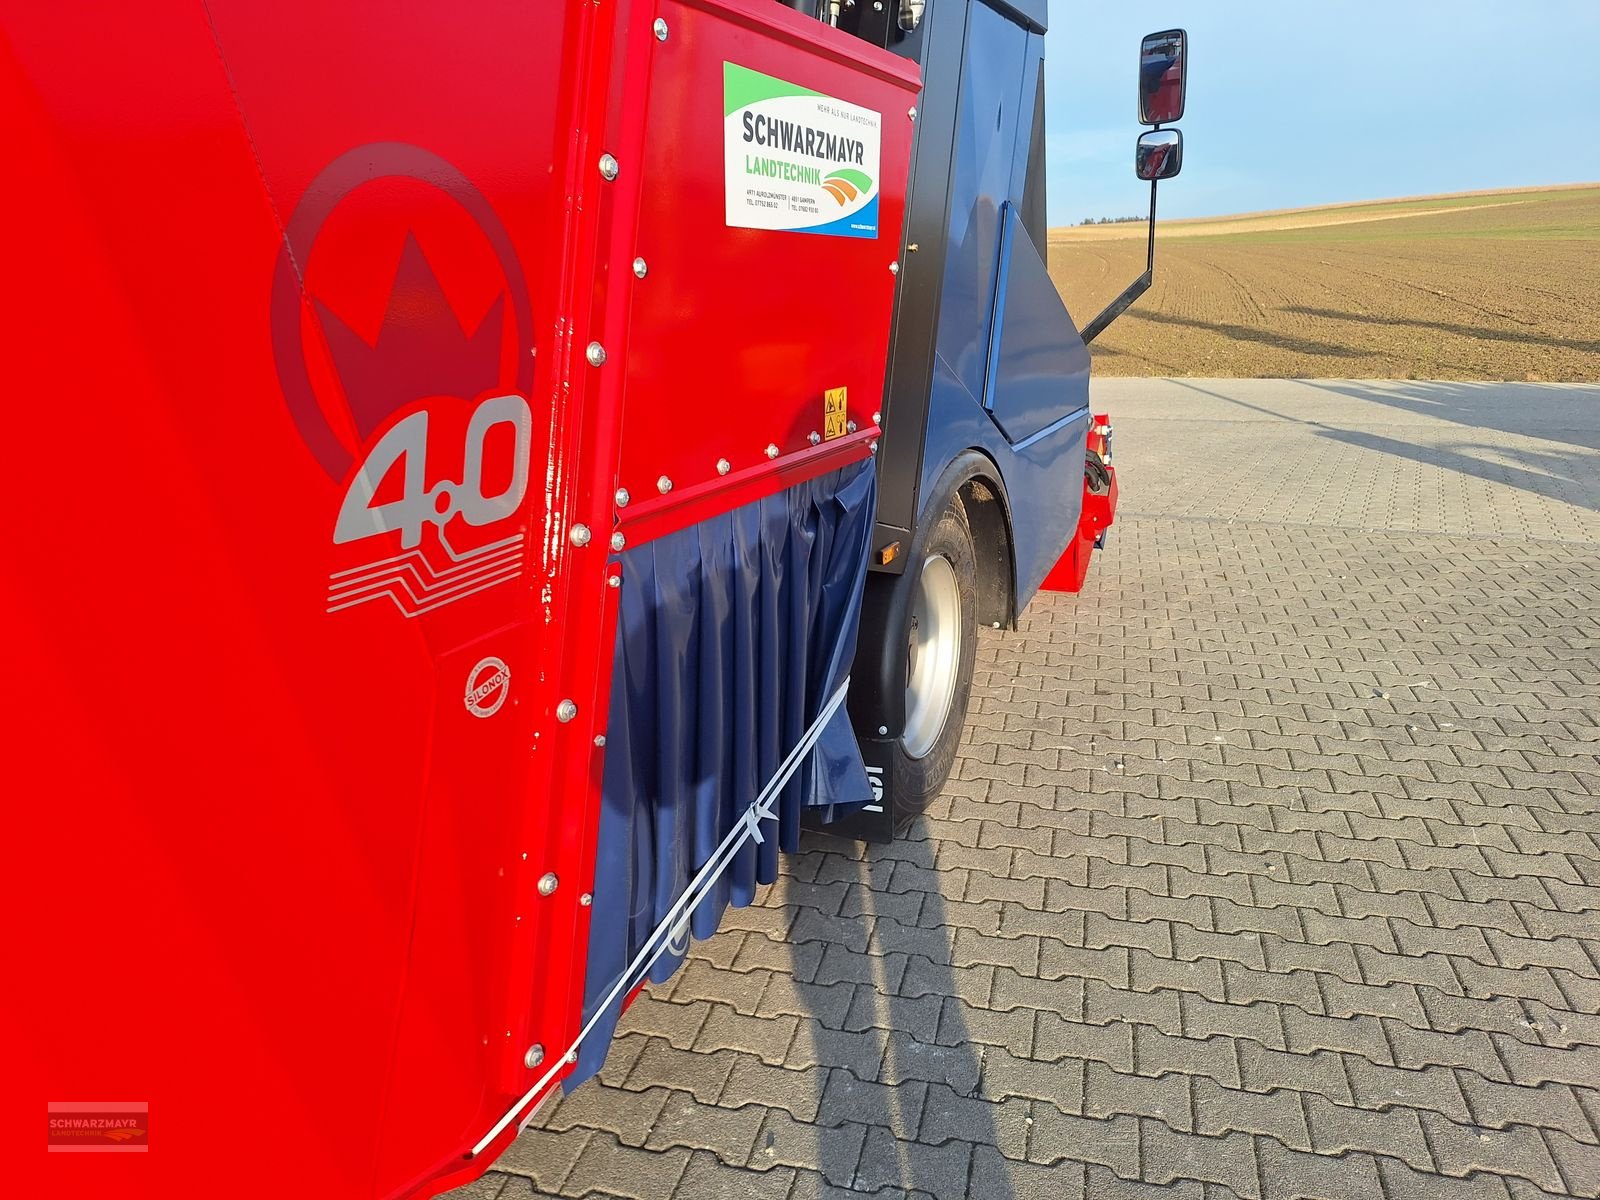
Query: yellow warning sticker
{"points": [[834, 421]]}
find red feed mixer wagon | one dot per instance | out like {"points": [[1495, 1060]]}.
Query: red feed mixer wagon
{"points": [[484, 478]]}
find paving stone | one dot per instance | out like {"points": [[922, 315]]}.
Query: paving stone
{"points": [[1535, 1065], [849, 1100], [729, 1134], [1518, 1152], [961, 1024], [608, 1166], [936, 1170], [1401, 1182], [1363, 1036], [767, 1038], [1003, 1124], [1214, 1058], [627, 1115], [1160, 1008], [797, 1092], [1109, 1093], [832, 1150], [1436, 1089], [1553, 1106], [661, 1064], [1578, 1163], [1290, 1175], [679, 1024], [709, 1178], [1112, 1142], [1203, 976], [994, 1175], [1228, 1160], [1336, 1128], [1221, 1110], [1264, 1070], [543, 1157], [1299, 988]]}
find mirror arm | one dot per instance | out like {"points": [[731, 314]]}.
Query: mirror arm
{"points": [[1134, 290]]}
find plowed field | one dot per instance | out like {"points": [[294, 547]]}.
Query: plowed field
{"points": [[1483, 286]]}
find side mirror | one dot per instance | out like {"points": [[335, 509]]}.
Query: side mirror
{"points": [[1159, 154], [1163, 69]]}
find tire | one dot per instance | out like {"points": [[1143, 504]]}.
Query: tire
{"points": [[942, 633]]}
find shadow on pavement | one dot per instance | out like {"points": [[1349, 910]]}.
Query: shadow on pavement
{"points": [[916, 1090], [1568, 476]]}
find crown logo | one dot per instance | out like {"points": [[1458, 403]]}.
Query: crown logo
{"points": [[422, 348]]}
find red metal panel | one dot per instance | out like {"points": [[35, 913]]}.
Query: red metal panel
{"points": [[738, 333], [1098, 514], [285, 860], [291, 764]]}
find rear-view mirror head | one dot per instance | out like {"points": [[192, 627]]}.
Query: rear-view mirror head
{"points": [[1159, 154], [1163, 68]]}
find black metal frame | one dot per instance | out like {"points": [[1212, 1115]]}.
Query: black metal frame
{"points": [[1134, 290]]}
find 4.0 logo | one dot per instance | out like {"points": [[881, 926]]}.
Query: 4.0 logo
{"points": [[405, 446], [408, 384]]}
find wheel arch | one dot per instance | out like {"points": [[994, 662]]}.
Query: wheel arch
{"points": [[877, 689]]}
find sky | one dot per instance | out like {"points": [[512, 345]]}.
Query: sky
{"points": [[1293, 103]]}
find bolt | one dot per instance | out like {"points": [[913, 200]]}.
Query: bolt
{"points": [[877, 418], [618, 541], [580, 535], [813, 437], [586, 899], [613, 580], [547, 883], [565, 711], [661, 30], [894, 268], [772, 451], [596, 354], [912, 112], [882, 730], [873, 446], [723, 466], [599, 739], [533, 1057], [641, 268], [622, 497], [608, 167], [849, 426], [663, 485]]}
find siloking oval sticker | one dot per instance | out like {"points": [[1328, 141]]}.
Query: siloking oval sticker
{"points": [[488, 685]]}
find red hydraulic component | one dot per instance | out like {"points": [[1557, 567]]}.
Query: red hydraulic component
{"points": [[1099, 510]]}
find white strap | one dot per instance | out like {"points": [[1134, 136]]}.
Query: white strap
{"points": [[746, 828]]}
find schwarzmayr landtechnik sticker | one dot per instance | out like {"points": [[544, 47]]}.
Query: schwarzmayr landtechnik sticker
{"points": [[796, 159]]}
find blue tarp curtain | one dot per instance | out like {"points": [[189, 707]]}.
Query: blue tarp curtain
{"points": [[731, 636]]}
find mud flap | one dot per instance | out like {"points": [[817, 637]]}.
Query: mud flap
{"points": [[876, 820]]}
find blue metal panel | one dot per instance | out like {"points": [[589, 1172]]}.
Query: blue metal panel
{"points": [[982, 174], [1040, 385], [1043, 476], [1038, 365]]}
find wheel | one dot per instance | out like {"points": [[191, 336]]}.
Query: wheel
{"points": [[942, 641]]}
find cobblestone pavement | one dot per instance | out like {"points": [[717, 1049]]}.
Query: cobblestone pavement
{"points": [[1270, 868]]}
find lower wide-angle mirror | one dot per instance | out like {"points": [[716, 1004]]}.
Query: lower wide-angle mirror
{"points": [[1159, 154]]}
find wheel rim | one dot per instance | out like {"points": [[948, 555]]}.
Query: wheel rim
{"points": [[934, 656]]}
